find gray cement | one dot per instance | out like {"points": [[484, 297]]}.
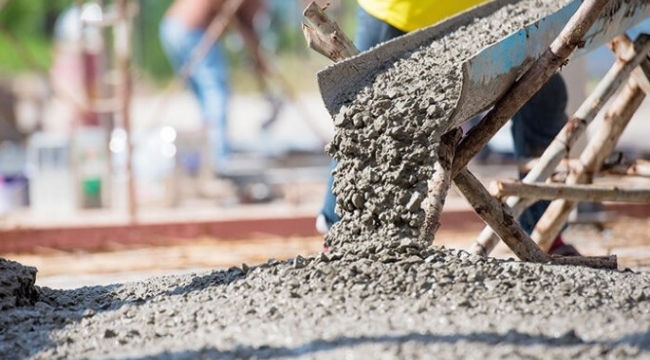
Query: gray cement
{"points": [[387, 135], [16, 285], [412, 305], [378, 294]]}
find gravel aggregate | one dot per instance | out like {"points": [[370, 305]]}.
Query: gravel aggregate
{"points": [[377, 293]]}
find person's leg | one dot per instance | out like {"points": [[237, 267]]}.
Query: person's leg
{"points": [[533, 128], [370, 32], [328, 215], [173, 38], [208, 81], [210, 78]]}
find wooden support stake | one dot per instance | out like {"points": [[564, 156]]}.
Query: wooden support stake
{"points": [[325, 36], [597, 262], [559, 148], [576, 192], [636, 168], [620, 45], [499, 218], [122, 44], [615, 164], [616, 119], [439, 185]]}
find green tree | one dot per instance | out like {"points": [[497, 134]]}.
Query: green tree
{"points": [[26, 28]]}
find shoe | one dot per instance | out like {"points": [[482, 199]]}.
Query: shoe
{"points": [[559, 247], [321, 224]]}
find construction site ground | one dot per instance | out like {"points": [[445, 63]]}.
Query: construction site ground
{"points": [[252, 233], [618, 229]]}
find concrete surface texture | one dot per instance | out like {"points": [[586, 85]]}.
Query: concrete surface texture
{"points": [[378, 294], [385, 162], [403, 303]]}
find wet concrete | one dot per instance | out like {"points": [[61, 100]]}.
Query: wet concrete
{"points": [[417, 304], [387, 136], [379, 294], [16, 285]]}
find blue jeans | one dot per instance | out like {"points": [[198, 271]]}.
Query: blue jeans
{"points": [[208, 81], [533, 129], [534, 126]]}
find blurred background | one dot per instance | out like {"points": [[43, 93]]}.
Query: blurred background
{"points": [[84, 84], [62, 107]]}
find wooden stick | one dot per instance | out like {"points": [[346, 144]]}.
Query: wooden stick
{"points": [[498, 217], [439, 185], [634, 169], [596, 262], [571, 132], [621, 166], [325, 36], [526, 166], [531, 82], [122, 45], [576, 192], [616, 119]]}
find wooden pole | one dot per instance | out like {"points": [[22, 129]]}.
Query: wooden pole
{"points": [[531, 82], [122, 45], [603, 142], [597, 262], [325, 36], [439, 185], [576, 192], [499, 218], [628, 60], [638, 167]]}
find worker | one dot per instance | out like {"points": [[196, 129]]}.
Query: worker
{"points": [[534, 126], [184, 27]]}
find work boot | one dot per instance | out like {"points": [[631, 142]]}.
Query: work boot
{"points": [[559, 247]]}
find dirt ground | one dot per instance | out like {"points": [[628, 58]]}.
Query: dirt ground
{"points": [[628, 238]]}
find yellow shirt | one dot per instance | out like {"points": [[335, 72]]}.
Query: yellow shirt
{"points": [[409, 15]]}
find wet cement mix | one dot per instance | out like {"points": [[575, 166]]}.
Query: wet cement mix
{"points": [[378, 293]]}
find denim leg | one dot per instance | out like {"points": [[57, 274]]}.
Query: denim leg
{"points": [[208, 82], [370, 32], [210, 77], [533, 128], [329, 204]]}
